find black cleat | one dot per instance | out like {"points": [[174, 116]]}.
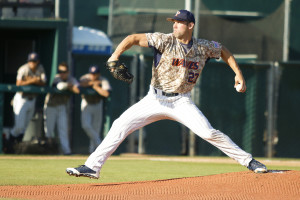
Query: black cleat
{"points": [[82, 171], [257, 167]]}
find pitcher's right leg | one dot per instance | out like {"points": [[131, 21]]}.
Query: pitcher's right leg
{"points": [[137, 116]]}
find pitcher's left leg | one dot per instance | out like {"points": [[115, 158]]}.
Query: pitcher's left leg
{"points": [[188, 114]]}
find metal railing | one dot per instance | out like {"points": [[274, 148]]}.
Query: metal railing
{"points": [[11, 88]]}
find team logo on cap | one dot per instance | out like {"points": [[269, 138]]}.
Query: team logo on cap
{"points": [[178, 12], [32, 56], [93, 69]]}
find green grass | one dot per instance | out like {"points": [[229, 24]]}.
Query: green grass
{"points": [[51, 171]]}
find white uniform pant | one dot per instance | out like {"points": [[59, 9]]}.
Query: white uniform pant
{"points": [[154, 107], [57, 115], [23, 110], [91, 122]]}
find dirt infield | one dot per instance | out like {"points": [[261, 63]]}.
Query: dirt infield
{"points": [[239, 185]]}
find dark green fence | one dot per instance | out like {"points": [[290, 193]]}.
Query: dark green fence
{"points": [[264, 119], [239, 115], [75, 134], [288, 118]]}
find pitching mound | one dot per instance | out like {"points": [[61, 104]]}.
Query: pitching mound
{"points": [[241, 185]]}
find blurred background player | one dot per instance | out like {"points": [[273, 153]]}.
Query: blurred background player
{"points": [[55, 108], [31, 73], [92, 105]]}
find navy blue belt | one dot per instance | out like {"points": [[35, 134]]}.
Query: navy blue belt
{"points": [[167, 94]]}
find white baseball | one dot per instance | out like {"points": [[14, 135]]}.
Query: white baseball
{"points": [[239, 87], [62, 86]]}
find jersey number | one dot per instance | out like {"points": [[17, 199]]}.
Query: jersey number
{"points": [[193, 77]]}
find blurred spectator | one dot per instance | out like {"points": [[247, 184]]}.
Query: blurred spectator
{"points": [[55, 108], [92, 105], [31, 73]]}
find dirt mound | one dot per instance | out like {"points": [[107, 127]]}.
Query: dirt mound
{"points": [[242, 185]]}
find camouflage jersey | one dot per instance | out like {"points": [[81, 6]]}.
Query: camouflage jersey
{"points": [[177, 71]]}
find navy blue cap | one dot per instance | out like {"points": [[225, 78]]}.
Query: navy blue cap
{"points": [[94, 69], [183, 15], [33, 57]]}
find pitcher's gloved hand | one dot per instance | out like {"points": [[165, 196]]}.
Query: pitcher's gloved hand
{"points": [[119, 71]]}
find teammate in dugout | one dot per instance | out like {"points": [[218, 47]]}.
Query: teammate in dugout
{"points": [[55, 108], [31, 73], [92, 105], [178, 61]]}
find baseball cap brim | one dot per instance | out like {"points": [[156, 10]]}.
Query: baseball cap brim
{"points": [[176, 19], [33, 60]]}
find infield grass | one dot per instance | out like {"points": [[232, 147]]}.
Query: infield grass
{"points": [[50, 170]]}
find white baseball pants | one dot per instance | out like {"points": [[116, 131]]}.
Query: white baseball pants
{"points": [[57, 115], [23, 109], [154, 107], [91, 122]]}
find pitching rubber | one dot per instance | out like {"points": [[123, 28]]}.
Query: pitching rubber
{"points": [[260, 170]]}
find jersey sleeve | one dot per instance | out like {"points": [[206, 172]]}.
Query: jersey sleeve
{"points": [[211, 49], [84, 78], [105, 84], [159, 40], [42, 74], [74, 81], [20, 74], [214, 49]]}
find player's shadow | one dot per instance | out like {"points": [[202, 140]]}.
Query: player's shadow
{"points": [[278, 171], [141, 182]]}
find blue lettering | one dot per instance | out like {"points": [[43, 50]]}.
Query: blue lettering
{"points": [[181, 62], [184, 63], [175, 62]]}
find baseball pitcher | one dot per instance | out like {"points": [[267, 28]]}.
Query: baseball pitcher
{"points": [[178, 61]]}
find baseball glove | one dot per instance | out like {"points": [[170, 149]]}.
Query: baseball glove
{"points": [[119, 71]]}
